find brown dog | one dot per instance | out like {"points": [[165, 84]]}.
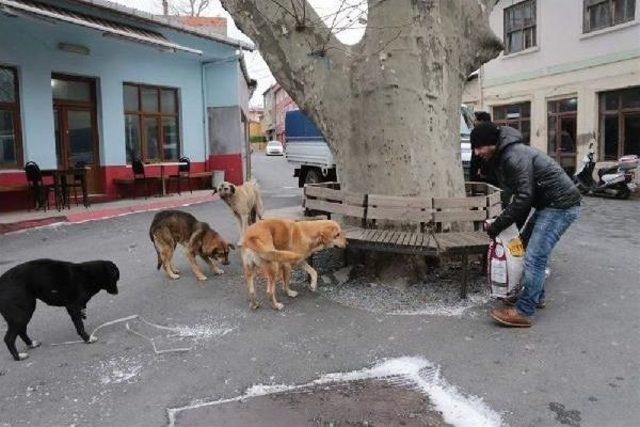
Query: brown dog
{"points": [[244, 200], [170, 228], [274, 245]]}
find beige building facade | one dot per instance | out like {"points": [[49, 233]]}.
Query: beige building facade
{"points": [[570, 74]]}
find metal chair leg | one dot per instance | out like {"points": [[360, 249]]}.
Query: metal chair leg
{"points": [[465, 275]]}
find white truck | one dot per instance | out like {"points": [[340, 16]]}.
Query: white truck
{"points": [[307, 150]]}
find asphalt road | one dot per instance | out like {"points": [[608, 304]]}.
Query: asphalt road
{"points": [[578, 365]]}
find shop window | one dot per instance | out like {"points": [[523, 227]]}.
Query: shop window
{"points": [[562, 116], [517, 116], [151, 123], [620, 123]]}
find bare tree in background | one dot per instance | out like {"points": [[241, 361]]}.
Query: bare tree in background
{"points": [[185, 7]]}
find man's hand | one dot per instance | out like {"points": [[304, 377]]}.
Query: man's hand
{"points": [[488, 227]]}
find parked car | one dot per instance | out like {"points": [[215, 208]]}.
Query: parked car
{"points": [[274, 148], [309, 153]]}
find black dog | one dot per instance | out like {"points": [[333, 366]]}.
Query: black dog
{"points": [[57, 283]]}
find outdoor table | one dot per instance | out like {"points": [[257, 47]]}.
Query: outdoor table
{"points": [[162, 166], [60, 184]]}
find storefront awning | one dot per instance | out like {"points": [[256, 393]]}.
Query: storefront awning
{"points": [[108, 28]]}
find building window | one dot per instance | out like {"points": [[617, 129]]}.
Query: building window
{"points": [[520, 26], [599, 14], [151, 123], [620, 123], [562, 117], [10, 143], [517, 116]]}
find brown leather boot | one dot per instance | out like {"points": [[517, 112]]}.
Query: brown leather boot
{"points": [[511, 317]]}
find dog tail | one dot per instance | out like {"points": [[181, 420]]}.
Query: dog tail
{"points": [[269, 253], [281, 256]]}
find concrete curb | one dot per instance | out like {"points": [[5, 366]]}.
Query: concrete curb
{"points": [[105, 213]]}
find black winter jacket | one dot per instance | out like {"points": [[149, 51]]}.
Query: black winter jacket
{"points": [[532, 177]]}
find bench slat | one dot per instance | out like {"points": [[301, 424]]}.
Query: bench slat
{"points": [[398, 202], [398, 214], [324, 193], [493, 198], [460, 202], [451, 216], [16, 187], [322, 205]]}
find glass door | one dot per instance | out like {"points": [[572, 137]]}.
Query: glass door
{"points": [[76, 137], [561, 132]]}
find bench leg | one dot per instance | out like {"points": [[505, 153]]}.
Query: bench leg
{"points": [[465, 275]]}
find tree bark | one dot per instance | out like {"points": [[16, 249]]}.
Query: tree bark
{"points": [[389, 105]]}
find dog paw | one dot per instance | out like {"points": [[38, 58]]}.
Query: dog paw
{"points": [[174, 277], [91, 339], [219, 271], [278, 306], [202, 278], [22, 356], [292, 294], [313, 287], [35, 344], [254, 305]]}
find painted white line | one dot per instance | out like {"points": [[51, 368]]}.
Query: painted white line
{"points": [[457, 409]]}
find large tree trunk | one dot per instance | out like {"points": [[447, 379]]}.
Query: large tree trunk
{"points": [[388, 106]]}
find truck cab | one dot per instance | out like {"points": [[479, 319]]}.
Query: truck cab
{"points": [[308, 151]]}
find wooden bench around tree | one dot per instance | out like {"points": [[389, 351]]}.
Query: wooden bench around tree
{"points": [[411, 225]]}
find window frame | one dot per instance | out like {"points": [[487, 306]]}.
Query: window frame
{"points": [[619, 113], [558, 116], [508, 122], [507, 30], [586, 17], [14, 107], [159, 115]]}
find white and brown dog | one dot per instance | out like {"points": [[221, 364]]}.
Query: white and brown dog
{"points": [[244, 200]]}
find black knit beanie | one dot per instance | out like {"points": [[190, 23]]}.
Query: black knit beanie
{"points": [[485, 133]]}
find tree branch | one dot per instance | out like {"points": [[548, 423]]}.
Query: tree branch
{"points": [[304, 56]]}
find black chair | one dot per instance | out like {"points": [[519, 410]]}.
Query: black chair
{"points": [[184, 173], [39, 190], [79, 176], [140, 177]]}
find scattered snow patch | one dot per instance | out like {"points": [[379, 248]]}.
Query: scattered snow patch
{"points": [[457, 409]]}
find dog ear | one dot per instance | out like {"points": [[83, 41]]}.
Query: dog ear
{"points": [[233, 189], [215, 190], [115, 272], [322, 239]]}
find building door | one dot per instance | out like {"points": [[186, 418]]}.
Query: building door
{"points": [[562, 118], [75, 124]]}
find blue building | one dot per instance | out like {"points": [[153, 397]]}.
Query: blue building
{"points": [[94, 81]]}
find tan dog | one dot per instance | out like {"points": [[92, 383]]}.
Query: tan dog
{"points": [[245, 202], [170, 228], [274, 245]]}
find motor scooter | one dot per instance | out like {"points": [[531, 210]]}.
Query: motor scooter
{"points": [[616, 181]]}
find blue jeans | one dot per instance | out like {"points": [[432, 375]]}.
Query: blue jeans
{"points": [[546, 225]]}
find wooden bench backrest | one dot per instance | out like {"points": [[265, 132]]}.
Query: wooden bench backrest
{"points": [[333, 200], [397, 208], [475, 208]]}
